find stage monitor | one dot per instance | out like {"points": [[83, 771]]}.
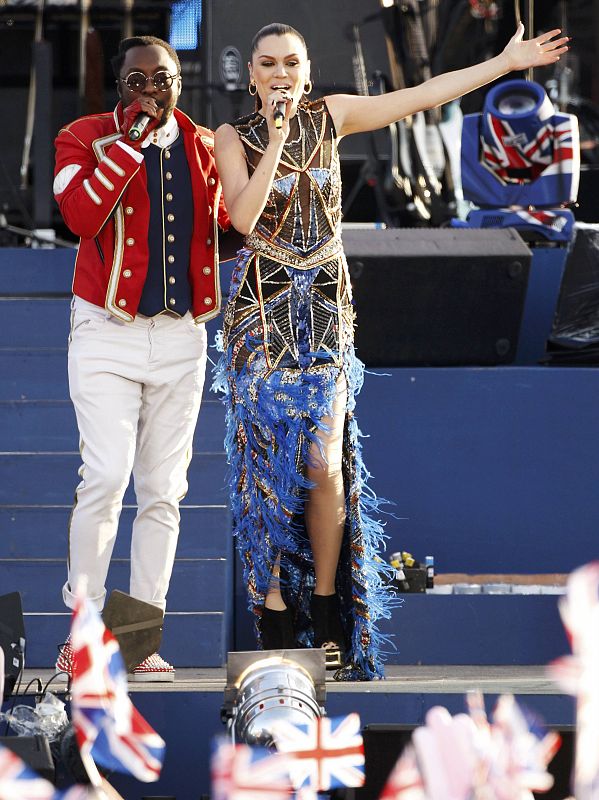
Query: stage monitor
{"points": [[437, 297]]}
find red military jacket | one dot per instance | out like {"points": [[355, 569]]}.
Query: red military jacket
{"points": [[102, 193]]}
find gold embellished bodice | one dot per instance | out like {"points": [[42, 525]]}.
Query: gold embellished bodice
{"points": [[290, 295], [303, 211]]}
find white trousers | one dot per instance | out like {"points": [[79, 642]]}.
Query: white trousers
{"points": [[136, 387]]}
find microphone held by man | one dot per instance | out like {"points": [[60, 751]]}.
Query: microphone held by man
{"points": [[140, 118], [138, 128]]}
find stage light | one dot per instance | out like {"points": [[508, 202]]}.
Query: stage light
{"points": [[521, 159], [518, 102], [387, 3], [265, 687]]}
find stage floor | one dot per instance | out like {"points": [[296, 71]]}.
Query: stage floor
{"points": [[452, 679]]}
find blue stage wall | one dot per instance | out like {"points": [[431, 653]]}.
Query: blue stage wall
{"points": [[489, 470]]}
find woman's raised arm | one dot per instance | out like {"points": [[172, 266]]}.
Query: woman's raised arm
{"points": [[352, 114]]}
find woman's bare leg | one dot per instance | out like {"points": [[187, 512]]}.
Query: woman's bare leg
{"points": [[325, 505], [324, 510]]}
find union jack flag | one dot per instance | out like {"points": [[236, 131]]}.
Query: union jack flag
{"points": [[77, 793], [513, 158], [523, 749], [512, 752], [578, 674], [107, 724], [20, 782], [240, 772], [543, 218], [405, 781], [468, 756], [446, 755], [324, 753]]}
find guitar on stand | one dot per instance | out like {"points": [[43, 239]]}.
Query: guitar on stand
{"points": [[428, 153], [371, 173], [410, 201]]}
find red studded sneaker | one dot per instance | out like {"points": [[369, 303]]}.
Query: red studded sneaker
{"points": [[66, 659], [154, 668]]}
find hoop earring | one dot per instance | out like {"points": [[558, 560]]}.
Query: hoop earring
{"points": [[308, 87], [250, 85]]}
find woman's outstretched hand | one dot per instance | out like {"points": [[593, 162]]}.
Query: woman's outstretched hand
{"points": [[544, 49]]}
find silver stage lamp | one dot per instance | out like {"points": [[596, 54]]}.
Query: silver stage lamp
{"points": [[265, 687]]}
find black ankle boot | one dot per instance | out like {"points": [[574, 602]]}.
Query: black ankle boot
{"points": [[328, 630], [277, 629]]}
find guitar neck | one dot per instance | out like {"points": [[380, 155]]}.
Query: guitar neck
{"points": [[418, 50], [358, 63]]}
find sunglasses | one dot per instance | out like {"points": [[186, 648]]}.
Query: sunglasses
{"points": [[137, 81]]}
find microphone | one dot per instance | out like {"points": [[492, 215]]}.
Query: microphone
{"points": [[279, 114], [137, 129]]}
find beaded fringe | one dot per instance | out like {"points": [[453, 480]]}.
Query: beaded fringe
{"points": [[271, 423]]}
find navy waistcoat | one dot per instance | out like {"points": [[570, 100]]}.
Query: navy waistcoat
{"points": [[169, 237]]}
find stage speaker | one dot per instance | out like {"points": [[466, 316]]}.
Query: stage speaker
{"points": [[437, 297], [383, 744], [229, 27], [12, 639], [34, 751]]}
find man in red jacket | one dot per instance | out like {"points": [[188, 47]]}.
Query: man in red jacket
{"points": [[139, 186]]}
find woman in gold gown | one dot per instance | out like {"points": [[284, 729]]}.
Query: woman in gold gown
{"points": [[305, 520]]}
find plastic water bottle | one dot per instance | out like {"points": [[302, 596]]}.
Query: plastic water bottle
{"points": [[400, 577], [429, 563]]}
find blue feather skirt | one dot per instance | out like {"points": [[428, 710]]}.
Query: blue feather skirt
{"points": [[273, 417]]}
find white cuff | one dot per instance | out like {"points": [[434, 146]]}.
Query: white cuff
{"points": [[132, 152]]}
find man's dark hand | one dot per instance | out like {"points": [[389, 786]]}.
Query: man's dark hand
{"points": [[143, 105]]}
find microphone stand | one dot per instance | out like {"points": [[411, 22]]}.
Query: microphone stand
{"points": [[127, 18], [530, 25], [38, 237], [26, 157], [83, 31]]}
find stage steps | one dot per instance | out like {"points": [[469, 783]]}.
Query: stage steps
{"points": [[38, 475]]}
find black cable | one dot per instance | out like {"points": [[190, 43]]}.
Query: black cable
{"points": [[39, 687], [67, 691]]}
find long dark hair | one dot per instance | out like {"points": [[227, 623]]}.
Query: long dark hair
{"points": [[273, 29]]}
